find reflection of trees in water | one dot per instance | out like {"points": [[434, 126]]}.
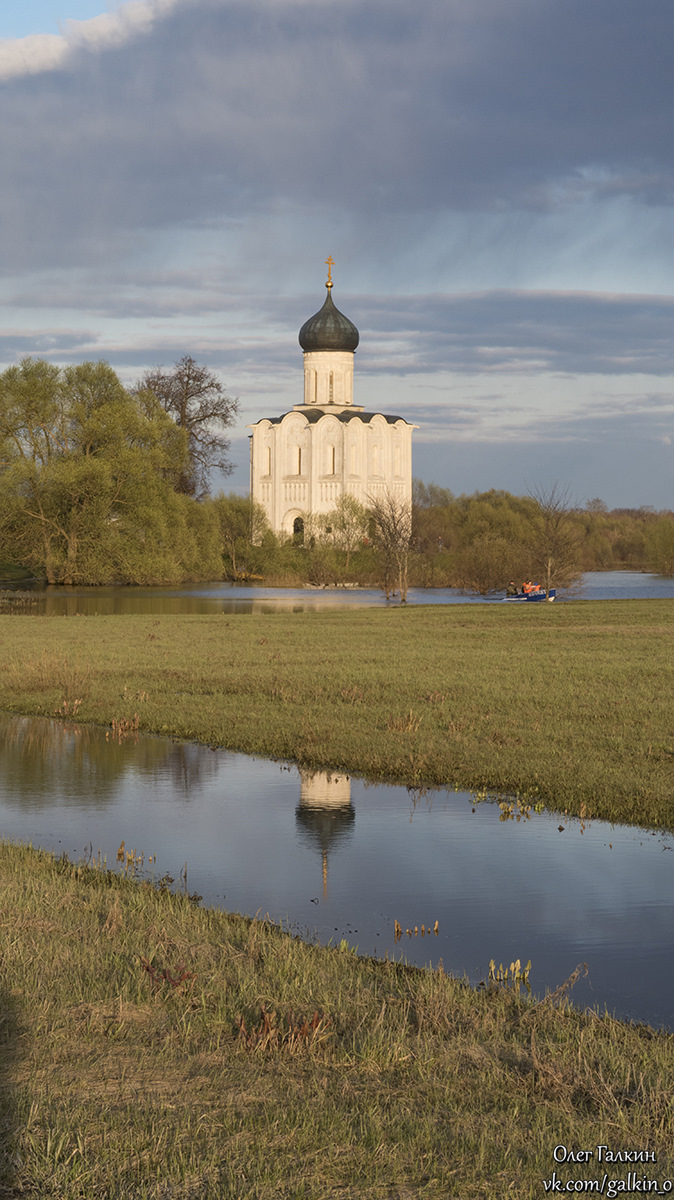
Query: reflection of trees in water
{"points": [[116, 601], [91, 602], [97, 601], [191, 767], [42, 760]]}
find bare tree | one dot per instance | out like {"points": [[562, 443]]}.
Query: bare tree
{"points": [[392, 527], [198, 403], [555, 538]]}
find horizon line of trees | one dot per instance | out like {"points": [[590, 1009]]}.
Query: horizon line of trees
{"points": [[104, 484], [477, 543]]}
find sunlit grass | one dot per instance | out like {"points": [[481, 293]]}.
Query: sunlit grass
{"points": [[150, 1048], [569, 705]]}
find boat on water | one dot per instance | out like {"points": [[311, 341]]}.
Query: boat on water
{"points": [[539, 594]]}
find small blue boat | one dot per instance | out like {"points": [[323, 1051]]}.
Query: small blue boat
{"points": [[539, 594]]}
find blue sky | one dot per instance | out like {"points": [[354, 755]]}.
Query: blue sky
{"points": [[494, 181], [46, 16]]}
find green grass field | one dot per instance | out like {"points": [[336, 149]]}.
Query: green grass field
{"points": [[149, 1048], [569, 705]]}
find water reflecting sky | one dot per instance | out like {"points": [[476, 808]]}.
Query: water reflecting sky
{"points": [[337, 858], [238, 598]]}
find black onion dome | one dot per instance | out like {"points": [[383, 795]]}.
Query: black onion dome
{"points": [[329, 329]]}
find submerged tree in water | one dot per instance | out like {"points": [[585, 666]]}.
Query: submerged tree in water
{"points": [[555, 539], [391, 521]]}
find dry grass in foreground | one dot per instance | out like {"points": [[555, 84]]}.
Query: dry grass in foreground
{"points": [[154, 1049]]}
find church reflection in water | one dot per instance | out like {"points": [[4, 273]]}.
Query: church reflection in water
{"points": [[325, 814]]}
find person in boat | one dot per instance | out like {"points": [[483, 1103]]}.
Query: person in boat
{"points": [[530, 587], [511, 589]]}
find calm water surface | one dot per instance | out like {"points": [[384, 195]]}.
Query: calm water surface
{"points": [[333, 857], [238, 598]]}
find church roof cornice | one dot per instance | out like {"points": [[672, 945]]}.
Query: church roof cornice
{"points": [[312, 416]]}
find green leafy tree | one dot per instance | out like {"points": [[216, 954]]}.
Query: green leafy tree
{"points": [[242, 523], [197, 401], [488, 563], [660, 546], [435, 516], [322, 564], [85, 480], [456, 539], [346, 526]]}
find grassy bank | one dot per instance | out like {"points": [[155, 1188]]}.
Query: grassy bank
{"points": [[136, 1062], [571, 705]]}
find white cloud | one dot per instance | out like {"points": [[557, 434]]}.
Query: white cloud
{"points": [[41, 52], [31, 55]]}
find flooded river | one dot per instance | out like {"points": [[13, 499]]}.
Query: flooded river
{"points": [[335, 858], [244, 598]]}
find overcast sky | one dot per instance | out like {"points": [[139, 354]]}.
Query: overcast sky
{"points": [[495, 182]]}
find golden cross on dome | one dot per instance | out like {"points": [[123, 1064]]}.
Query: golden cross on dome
{"points": [[329, 262]]}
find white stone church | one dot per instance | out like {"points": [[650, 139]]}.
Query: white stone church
{"points": [[326, 447]]}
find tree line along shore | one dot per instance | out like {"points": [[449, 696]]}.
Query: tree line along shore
{"points": [[103, 484], [476, 543]]}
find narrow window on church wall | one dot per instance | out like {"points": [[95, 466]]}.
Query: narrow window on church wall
{"points": [[299, 460], [268, 463], [315, 375], [331, 388]]}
